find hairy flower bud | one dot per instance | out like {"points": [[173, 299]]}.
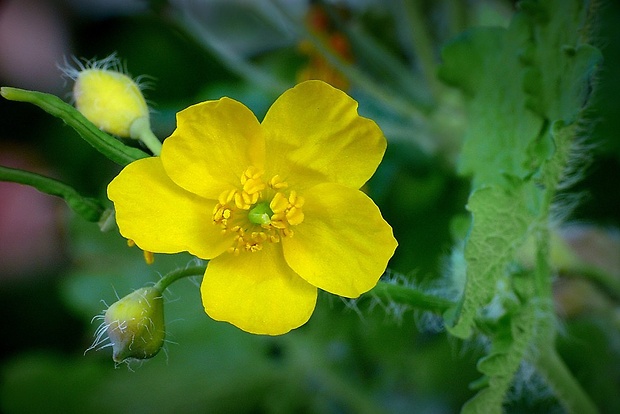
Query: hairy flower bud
{"points": [[135, 325], [111, 100], [107, 97]]}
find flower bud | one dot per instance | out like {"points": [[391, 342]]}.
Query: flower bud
{"points": [[135, 325], [109, 99]]}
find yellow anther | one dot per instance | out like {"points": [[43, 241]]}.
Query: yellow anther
{"points": [[278, 224], [247, 198], [240, 203], [149, 257], [243, 211], [250, 198], [217, 216], [278, 216], [299, 202], [292, 197], [254, 247], [279, 203], [226, 197], [277, 182], [250, 173], [253, 185], [294, 216]]}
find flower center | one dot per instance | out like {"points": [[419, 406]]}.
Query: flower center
{"points": [[258, 211], [260, 214]]}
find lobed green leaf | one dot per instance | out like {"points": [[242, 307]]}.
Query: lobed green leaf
{"points": [[500, 221], [509, 347], [527, 86]]}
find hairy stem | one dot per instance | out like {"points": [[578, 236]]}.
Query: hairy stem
{"points": [[409, 296], [177, 274]]}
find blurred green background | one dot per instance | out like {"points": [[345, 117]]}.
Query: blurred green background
{"points": [[57, 271]]}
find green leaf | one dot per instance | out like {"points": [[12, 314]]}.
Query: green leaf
{"points": [[559, 64], [508, 349], [485, 64], [490, 246], [102, 142], [527, 87], [509, 148]]}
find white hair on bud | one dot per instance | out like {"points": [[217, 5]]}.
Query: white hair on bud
{"points": [[111, 62], [71, 70]]}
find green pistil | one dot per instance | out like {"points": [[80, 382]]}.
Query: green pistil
{"points": [[260, 214]]}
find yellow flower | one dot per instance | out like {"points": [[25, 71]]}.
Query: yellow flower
{"points": [[275, 205]]}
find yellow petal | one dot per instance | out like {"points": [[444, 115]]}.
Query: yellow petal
{"points": [[160, 216], [314, 134], [213, 144], [257, 292], [343, 245]]}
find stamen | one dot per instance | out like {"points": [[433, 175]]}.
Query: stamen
{"points": [[277, 182], [253, 186], [149, 257], [292, 197], [226, 196], [256, 212], [278, 203], [217, 216], [240, 203], [294, 216]]}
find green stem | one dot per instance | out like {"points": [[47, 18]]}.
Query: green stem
{"points": [[608, 282], [141, 129], [232, 60], [568, 391], [549, 364], [151, 141], [338, 388], [457, 17], [177, 274], [399, 105], [367, 84], [89, 208], [570, 264], [374, 52], [422, 45], [410, 296], [102, 142]]}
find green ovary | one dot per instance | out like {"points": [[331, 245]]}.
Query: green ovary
{"points": [[260, 214]]}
